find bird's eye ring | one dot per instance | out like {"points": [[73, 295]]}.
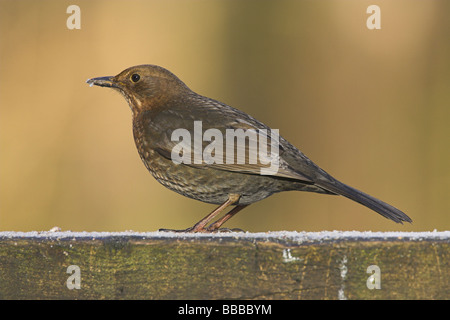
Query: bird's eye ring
{"points": [[135, 77]]}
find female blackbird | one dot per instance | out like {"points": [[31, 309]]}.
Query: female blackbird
{"points": [[161, 103]]}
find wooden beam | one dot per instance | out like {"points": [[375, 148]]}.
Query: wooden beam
{"points": [[275, 265]]}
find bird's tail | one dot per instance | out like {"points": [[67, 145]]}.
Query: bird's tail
{"points": [[386, 210]]}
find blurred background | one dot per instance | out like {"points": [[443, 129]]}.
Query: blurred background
{"points": [[371, 107]]}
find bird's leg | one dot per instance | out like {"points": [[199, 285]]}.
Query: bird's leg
{"points": [[200, 226], [216, 225]]}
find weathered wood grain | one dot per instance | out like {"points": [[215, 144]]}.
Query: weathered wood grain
{"points": [[229, 266]]}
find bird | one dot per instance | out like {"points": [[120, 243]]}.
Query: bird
{"points": [[164, 110]]}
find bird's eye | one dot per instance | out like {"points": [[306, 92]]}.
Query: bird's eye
{"points": [[135, 77]]}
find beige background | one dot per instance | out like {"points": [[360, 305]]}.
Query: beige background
{"points": [[371, 107]]}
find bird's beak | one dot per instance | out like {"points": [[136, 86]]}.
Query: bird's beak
{"points": [[102, 82]]}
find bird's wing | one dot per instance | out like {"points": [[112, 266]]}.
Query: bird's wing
{"points": [[207, 122]]}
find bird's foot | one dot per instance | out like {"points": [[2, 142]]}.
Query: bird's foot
{"points": [[174, 230], [205, 230], [225, 230]]}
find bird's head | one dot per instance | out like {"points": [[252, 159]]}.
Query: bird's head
{"points": [[144, 86]]}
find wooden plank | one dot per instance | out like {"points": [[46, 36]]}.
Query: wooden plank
{"points": [[283, 265]]}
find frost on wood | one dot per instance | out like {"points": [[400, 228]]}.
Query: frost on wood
{"points": [[298, 237], [272, 265]]}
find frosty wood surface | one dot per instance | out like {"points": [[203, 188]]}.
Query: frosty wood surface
{"points": [[283, 265]]}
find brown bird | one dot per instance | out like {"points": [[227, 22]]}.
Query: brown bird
{"points": [[161, 103]]}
